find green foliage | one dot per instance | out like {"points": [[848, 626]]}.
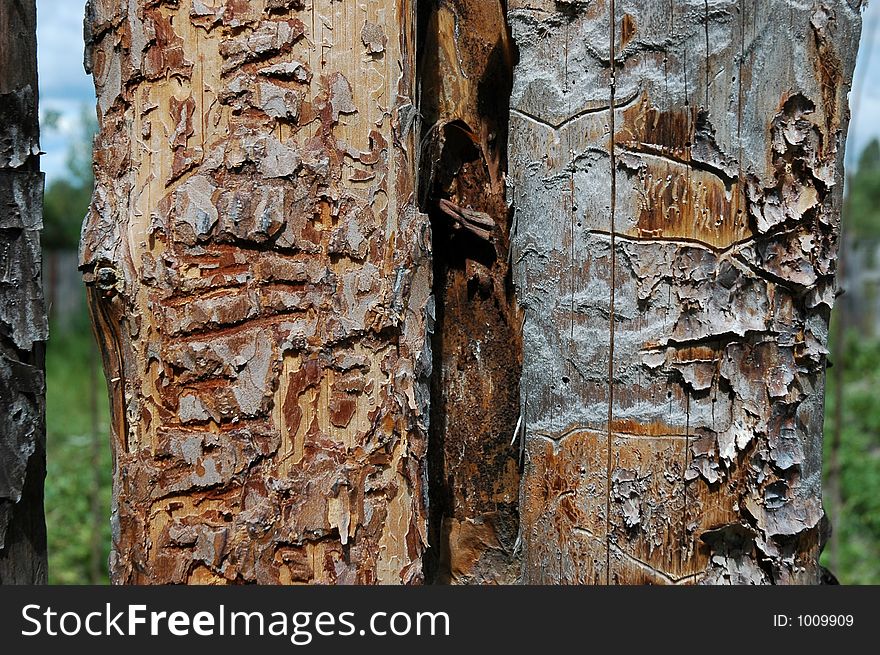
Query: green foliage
{"points": [[78, 456], [50, 119], [77, 409], [64, 206], [858, 525], [66, 201], [863, 196]]}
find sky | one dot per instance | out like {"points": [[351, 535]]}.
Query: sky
{"points": [[64, 85], [865, 96], [65, 88]]}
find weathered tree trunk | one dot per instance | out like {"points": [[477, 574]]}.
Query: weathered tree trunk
{"points": [[23, 326], [259, 280], [675, 235]]}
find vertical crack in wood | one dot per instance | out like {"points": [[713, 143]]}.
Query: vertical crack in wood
{"points": [[613, 201], [465, 69]]}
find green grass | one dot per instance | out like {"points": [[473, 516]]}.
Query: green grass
{"points": [[858, 524], [77, 474]]}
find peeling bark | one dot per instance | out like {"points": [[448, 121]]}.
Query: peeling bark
{"points": [[23, 325], [676, 173], [464, 77], [259, 279]]}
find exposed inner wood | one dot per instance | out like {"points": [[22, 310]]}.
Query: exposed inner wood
{"points": [[259, 279], [465, 74]]}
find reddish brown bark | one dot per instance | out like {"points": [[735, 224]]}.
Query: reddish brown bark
{"points": [[259, 279]]}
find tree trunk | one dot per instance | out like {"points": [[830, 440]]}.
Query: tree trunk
{"points": [[259, 279], [674, 246], [23, 325]]}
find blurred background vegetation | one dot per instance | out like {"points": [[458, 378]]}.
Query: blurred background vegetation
{"points": [[852, 411], [77, 408]]}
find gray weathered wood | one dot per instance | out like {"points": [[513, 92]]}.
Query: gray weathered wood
{"points": [[675, 258]]}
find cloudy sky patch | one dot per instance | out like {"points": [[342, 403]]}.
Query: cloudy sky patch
{"points": [[64, 86]]}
